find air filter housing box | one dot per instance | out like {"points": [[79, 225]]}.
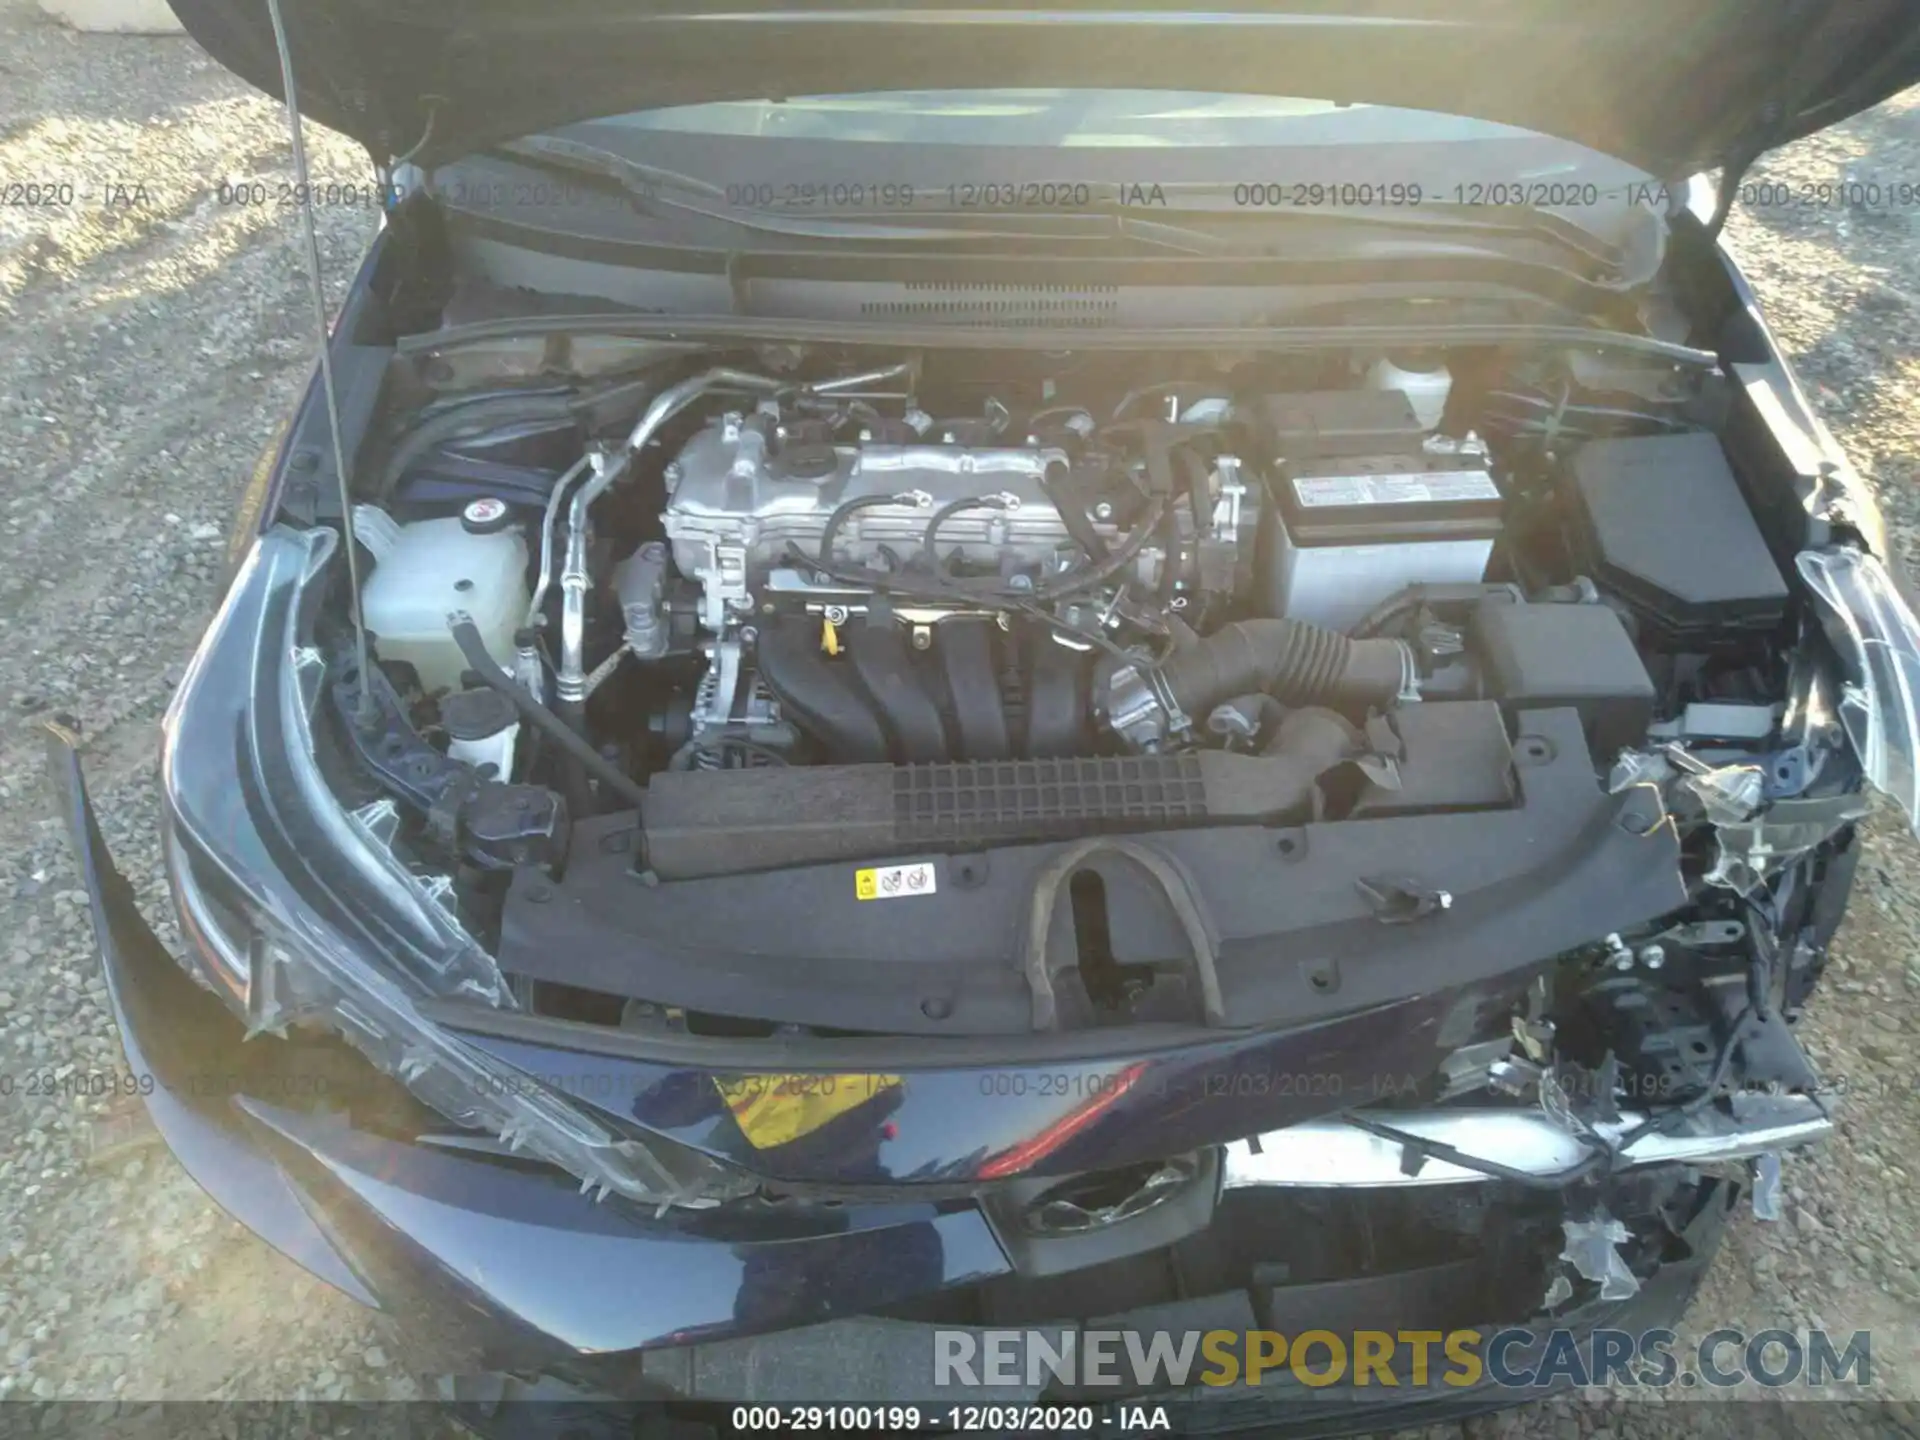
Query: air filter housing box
{"points": [[1670, 531]]}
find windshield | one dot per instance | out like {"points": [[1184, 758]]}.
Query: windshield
{"points": [[1051, 118], [1362, 192], [1065, 150]]}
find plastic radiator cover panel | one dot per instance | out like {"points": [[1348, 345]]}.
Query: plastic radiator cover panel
{"points": [[1563, 864]]}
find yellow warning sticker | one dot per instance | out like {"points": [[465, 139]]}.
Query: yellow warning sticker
{"points": [[774, 1110], [894, 882]]}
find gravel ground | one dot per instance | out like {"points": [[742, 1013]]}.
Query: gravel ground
{"points": [[152, 339]]}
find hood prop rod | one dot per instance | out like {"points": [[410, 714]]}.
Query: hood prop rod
{"points": [[311, 232]]}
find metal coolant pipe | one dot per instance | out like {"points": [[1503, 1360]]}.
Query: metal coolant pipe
{"points": [[570, 685]]}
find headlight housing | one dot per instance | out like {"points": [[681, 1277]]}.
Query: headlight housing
{"points": [[301, 913], [1878, 637]]}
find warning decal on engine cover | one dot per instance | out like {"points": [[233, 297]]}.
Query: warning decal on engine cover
{"points": [[893, 882]]}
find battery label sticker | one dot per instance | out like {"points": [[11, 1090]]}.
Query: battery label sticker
{"points": [[893, 882], [1436, 488]]}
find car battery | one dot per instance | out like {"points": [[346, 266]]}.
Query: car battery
{"points": [[1352, 523]]}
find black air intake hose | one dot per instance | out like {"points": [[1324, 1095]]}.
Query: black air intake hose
{"points": [[1296, 662]]}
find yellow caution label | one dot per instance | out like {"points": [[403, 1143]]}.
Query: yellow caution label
{"points": [[776, 1109], [894, 882]]}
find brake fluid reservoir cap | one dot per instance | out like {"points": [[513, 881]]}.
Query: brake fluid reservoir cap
{"points": [[486, 515], [476, 714]]}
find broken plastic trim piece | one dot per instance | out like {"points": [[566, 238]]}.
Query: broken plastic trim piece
{"points": [[1766, 1186], [1751, 852], [1593, 1249], [1878, 638], [1725, 794], [1335, 1153], [1753, 838]]}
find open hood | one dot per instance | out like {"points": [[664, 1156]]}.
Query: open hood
{"points": [[1673, 86]]}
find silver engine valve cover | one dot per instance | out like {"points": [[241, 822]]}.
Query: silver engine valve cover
{"points": [[732, 510]]}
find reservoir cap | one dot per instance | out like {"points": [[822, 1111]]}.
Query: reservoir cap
{"points": [[476, 714], [486, 515]]}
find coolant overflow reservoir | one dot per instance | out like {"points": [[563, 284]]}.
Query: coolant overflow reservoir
{"points": [[424, 571], [1423, 379]]}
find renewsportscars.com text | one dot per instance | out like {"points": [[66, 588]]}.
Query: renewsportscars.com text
{"points": [[1511, 1359]]}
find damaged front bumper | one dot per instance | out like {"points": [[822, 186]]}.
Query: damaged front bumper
{"points": [[495, 1264]]}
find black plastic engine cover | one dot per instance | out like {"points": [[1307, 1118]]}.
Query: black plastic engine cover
{"points": [[1447, 755], [1294, 932]]}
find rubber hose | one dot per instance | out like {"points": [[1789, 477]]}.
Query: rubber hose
{"points": [[1295, 662], [930, 540], [1079, 524], [1075, 582], [477, 417], [467, 636], [573, 770]]}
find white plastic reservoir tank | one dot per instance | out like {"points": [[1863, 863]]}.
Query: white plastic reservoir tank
{"points": [[424, 571], [1422, 378]]}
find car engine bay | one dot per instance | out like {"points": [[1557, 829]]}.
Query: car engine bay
{"points": [[985, 619]]}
